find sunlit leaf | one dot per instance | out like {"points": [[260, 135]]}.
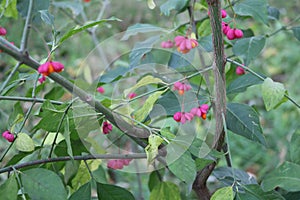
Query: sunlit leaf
{"points": [[223, 193], [165, 191], [24, 143], [273, 93], [152, 148]]}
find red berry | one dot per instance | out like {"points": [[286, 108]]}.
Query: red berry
{"points": [[224, 13]]}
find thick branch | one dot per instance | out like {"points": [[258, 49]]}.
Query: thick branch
{"points": [[115, 119], [214, 7], [66, 158]]}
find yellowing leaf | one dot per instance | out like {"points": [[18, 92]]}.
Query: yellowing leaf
{"points": [[142, 113], [144, 81], [151, 4], [223, 193], [152, 148], [273, 93], [24, 143]]}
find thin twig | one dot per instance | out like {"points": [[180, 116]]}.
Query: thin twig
{"points": [[28, 99], [26, 29], [13, 71], [66, 158]]}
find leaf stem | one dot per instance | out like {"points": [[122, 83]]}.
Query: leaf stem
{"points": [[9, 77]]}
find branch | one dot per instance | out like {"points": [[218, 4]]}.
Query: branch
{"points": [[119, 122], [66, 158], [27, 99], [214, 7]]}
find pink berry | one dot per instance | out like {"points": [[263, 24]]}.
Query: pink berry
{"points": [[224, 13], [2, 31], [225, 28], [177, 116], [230, 34], [239, 71], [100, 90], [132, 95], [42, 79], [106, 127], [8, 136], [238, 33]]}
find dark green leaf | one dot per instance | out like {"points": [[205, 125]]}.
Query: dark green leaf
{"points": [[226, 175], [294, 147], [201, 163], [55, 93], [180, 60], [44, 184], [79, 29], [100, 175], [285, 176], [273, 13], [242, 83], [140, 28], [140, 50], [83, 193], [206, 43], [254, 8], [112, 192], [178, 5], [254, 192], [71, 168], [184, 167], [243, 120], [9, 189], [249, 48], [22, 6], [296, 31], [165, 191], [155, 178], [75, 7], [112, 75]]}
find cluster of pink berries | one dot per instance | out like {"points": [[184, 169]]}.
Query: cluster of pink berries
{"points": [[181, 87], [200, 111], [8, 136], [49, 67], [229, 32], [118, 163], [183, 43]]}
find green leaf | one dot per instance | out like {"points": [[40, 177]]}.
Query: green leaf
{"points": [[83, 193], [254, 8], [114, 74], [223, 193], [47, 17], [179, 60], [242, 83], [165, 191], [141, 49], [140, 28], [294, 148], [44, 184], [79, 29], [272, 93], [184, 167], [143, 112], [286, 176], [24, 143], [155, 178], [273, 13], [67, 137], [143, 82], [296, 32], [243, 120], [249, 48], [71, 168], [10, 8], [152, 148], [254, 192], [228, 175], [22, 6], [151, 4], [9, 189], [112, 192], [206, 43], [201, 163], [178, 5], [75, 7], [55, 93]]}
